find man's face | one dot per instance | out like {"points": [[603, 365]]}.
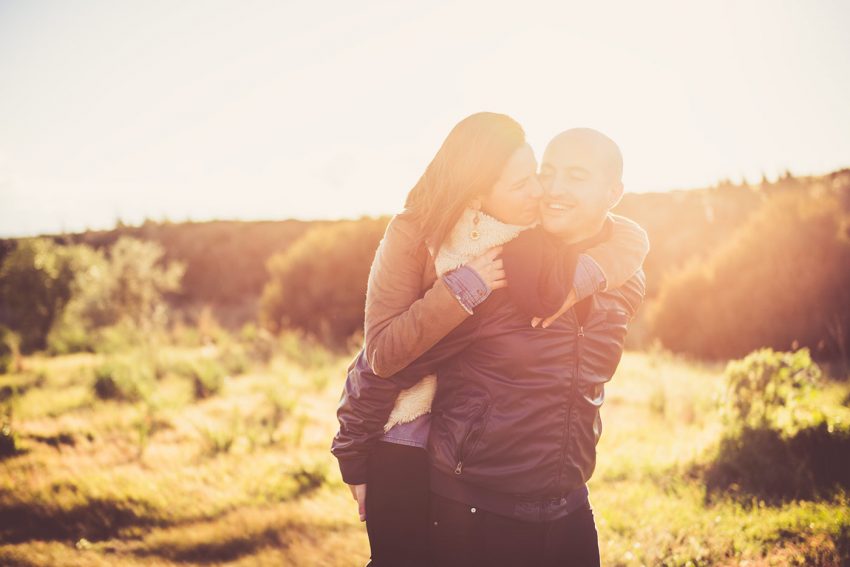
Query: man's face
{"points": [[579, 186]]}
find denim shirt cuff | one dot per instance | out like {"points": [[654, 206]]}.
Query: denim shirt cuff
{"points": [[467, 286]]}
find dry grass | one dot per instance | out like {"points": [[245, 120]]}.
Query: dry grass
{"points": [[245, 476]]}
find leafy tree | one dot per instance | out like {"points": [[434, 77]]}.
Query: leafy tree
{"points": [[319, 284], [783, 279], [125, 286], [35, 284]]}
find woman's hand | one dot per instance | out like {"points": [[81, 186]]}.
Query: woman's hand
{"points": [[568, 304], [358, 492], [489, 268]]}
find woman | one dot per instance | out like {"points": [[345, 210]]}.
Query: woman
{"points": [[435, 264]]}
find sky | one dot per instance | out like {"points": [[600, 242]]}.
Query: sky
{"points": [[271, 110]]}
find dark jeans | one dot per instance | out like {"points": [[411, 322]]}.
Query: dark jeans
{"points": [[461, 537], [397, 496]]}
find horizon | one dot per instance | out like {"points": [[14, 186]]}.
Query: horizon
{"points": [[209, 111], [119, 223]]}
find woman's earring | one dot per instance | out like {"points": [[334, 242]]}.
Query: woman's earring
{"points": [[474, 234]]}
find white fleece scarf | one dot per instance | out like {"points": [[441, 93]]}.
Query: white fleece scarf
{"points": [[458, 250]]}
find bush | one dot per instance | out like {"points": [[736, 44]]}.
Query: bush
{"points": [[207, 377], [35, 284], [9, 445], [8, 349], [233, 359], [304, 351], [121, 337], [319, 284], [777, 444], [124, 379], [769, 389], [259, 342], [780, 280], [117, 299]]}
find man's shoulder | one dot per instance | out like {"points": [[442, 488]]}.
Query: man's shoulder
{"points": [[635, 283], [638, 279]]}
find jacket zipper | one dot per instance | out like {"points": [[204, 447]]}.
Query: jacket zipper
{"points": [[459, 465], [573, 388]]}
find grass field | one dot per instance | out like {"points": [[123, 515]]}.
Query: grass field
{"points": [[233, 467]]}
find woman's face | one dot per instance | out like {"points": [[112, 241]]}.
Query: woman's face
{"points": [[515, 197]]}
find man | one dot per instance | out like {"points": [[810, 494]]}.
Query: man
{"points": [[516, 416]]}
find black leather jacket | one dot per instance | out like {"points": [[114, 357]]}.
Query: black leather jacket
{"points": [[517, 408], [518, 411]]}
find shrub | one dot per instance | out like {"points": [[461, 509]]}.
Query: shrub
{"points": [[259, 342], [207, 377], [35, 284], [233, 359], [117, 299], [304, 351], [124, 379], [777, 444], [769, 389], [319, 284], [780, 280], [8, 349], [215, 439], [121, 337], [9, 445]]}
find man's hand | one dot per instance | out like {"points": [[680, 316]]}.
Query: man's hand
{"points": [[358, 492], [568, 304]]}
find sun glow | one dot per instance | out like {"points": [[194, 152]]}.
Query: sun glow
{"points": [[212, 110]]}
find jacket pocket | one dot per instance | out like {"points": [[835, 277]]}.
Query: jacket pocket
{"points": [[616, 326], [477, 423], [593, 393]]}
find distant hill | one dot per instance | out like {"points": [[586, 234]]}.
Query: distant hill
{"points": [[226, 260]]}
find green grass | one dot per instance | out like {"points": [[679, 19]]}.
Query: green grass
{"points": [[243, 475]]}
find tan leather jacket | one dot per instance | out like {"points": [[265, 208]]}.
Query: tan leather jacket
{"points": [[409, 309]]}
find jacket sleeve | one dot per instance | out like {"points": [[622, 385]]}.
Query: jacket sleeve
{"points": [[364, 407], [632, 293], [618, 258], [401, 323], [367, 400]]}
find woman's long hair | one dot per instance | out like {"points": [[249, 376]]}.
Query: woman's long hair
{"points": [[466, 166]]}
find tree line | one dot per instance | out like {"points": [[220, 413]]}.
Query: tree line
{"points": [[732, 268]]}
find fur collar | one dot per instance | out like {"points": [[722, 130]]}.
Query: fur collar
{"points": [[460, 248]]}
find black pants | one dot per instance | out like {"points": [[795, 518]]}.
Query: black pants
{"points": [[397, 497], [461, 537]]}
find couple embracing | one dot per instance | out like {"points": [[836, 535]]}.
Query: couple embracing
{"points": [[496, 310]]}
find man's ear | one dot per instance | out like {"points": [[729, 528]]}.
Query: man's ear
{"points": [[615, 195]]}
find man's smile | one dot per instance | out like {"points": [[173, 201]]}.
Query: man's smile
{"points": [[556, 207]]}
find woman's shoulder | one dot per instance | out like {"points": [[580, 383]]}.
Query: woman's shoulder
{"points": [[405, 221], [404, 229]]}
